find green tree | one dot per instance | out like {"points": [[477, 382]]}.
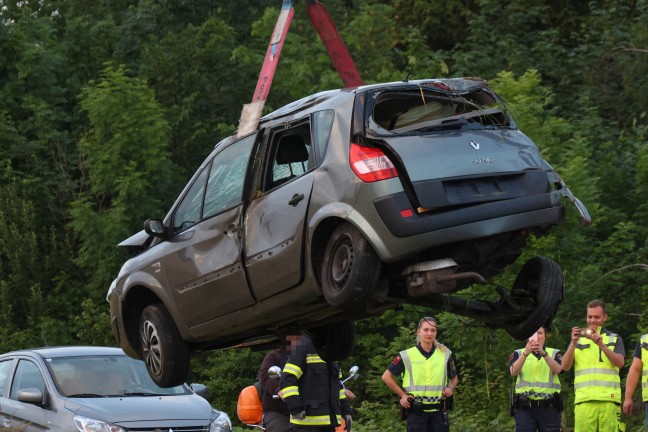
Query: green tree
{"points": [[127, 172]]}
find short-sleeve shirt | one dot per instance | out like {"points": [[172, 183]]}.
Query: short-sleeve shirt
{"points": [[637, 352], [514, 356], [397, 367]]}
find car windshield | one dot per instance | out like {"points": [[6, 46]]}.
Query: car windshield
{"points": [[106, 376], [429, 109]]}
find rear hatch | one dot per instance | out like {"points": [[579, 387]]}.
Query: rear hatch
{"points": [[452, 142]]}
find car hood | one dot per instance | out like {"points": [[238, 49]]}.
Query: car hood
{"points": [[124, 409]]}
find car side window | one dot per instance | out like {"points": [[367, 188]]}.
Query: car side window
{"points": [[27, 376], [322, 123], [218, 187], [188, 212], [227, 177], [291, 155], [5, 368]]}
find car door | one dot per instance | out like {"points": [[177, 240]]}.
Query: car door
{"points": [[25, 416], [6, 367], [274, 222], [203, 265]]}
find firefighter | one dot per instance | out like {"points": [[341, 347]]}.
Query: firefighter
{"points": [[638, 371], [275, 411], [537, 402], [597, 355], [429, 378], [313, 392]]}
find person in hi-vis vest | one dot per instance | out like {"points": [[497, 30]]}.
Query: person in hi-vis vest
{"points": [[429, 374], [597, 355], [537, 401], [638, 373]]}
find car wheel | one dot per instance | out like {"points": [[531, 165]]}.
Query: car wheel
{"points": [[164, 352], [350, 269], [334, 342], [542, 280]]}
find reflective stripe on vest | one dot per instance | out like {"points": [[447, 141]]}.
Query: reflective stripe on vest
{"points": [[425, 378], [535, 380], [320, 420], [596, 378], [644, 369]]}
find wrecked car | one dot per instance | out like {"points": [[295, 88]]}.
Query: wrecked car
{"points": [[339, 206]]}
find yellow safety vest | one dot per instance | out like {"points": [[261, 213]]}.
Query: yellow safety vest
{"points": [[535, 380], [596, 378], [644, 369], [425, 378]]}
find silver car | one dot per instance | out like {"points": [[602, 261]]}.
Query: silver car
{"points": [[96, 389], [340, 206]]}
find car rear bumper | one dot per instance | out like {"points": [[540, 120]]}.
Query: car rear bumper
{"points": [[401, 220]]}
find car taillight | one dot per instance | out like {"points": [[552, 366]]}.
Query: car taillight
{"points": [[370, 164]]}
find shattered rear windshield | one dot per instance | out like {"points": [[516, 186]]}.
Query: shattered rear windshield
{"points": [[425, 109]]}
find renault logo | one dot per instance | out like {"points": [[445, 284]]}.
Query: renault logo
{"points": [[474, 145]]}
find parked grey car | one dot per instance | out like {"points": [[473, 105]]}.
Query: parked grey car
{"points": [[96, 389], [340, 206]]}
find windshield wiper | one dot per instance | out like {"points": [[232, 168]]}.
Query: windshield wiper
{"points": [[87, 395], [142, 394]]}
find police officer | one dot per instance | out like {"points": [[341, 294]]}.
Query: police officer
{"points": [[597, 357], [313, 392], [537, 400], [638, 371], [429, 375]]}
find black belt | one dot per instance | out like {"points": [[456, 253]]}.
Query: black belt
{"points": [[434, 406]]}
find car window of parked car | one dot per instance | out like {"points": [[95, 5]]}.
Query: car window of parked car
{"points": [[322, 123], [106, 376], [27, 376], [5, 368]]}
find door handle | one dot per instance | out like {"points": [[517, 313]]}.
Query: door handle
{"points": [[295, 199]]}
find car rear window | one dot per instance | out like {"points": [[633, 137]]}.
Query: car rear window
{"points": [[428, 109]]}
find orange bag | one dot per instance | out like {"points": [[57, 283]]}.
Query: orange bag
{"points": [[248, 407], [341, 427]]}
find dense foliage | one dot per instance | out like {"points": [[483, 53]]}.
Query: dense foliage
{"points": [[106, 108]]}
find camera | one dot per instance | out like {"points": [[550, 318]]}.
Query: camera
{"points": [[586, 332]]}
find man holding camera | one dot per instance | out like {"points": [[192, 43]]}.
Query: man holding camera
{"points": [[429, 377], [597, 355]]}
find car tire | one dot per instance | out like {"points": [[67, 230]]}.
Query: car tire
{"points": [[541, 279], [350, 269], [164, 352], [334, 342]]}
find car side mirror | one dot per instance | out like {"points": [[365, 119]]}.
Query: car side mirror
{"points": [[155, 228], [199, 389], [31, 396]]}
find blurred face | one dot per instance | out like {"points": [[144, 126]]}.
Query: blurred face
{"points": [[292, 342], [596, 317], [427, 332]]}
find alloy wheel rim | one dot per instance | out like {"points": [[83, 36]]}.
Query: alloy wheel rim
{"points": [[151, 350]]}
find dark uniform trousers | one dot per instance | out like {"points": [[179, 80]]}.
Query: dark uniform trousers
{"points": [[436, 421], [537, 419]]}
